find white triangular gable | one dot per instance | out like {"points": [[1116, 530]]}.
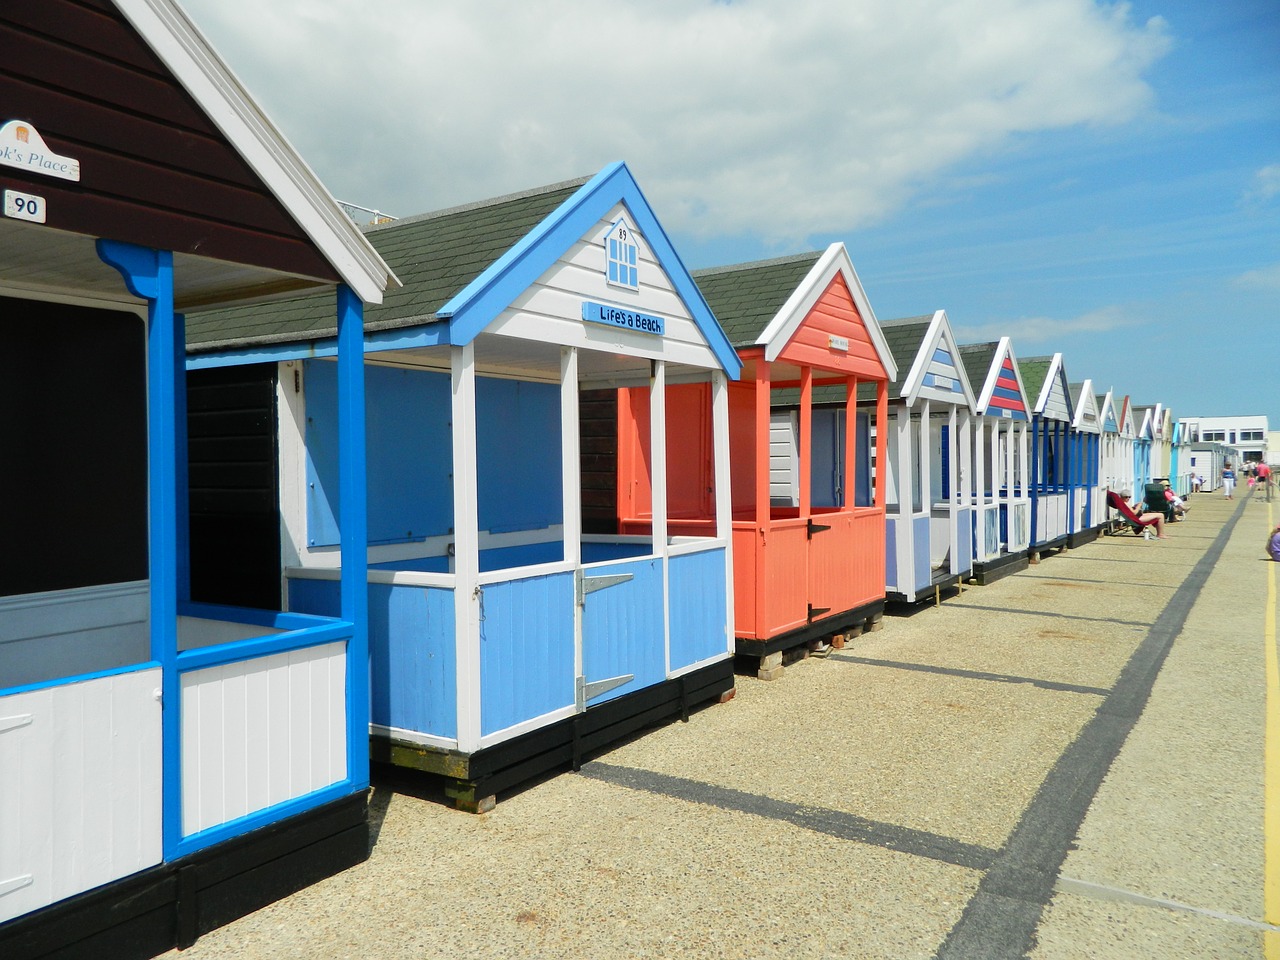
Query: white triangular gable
{"points": [[1108, 417], [1086, 418], [1054, 402], [938, 373]]}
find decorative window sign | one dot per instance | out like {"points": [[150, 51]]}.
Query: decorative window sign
{"points": [[838, 343], [622, 249], [622, 317], [21, 146], [23, 206]]}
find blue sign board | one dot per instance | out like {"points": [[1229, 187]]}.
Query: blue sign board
{"points": [[621, 317]]}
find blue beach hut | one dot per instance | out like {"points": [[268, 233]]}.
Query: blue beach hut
{"points": [[1087, 499], [1046, 382], [166, 765], [505, 640], [1001, 488]]}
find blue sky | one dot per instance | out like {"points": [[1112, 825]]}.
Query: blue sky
{"points": [[1092, 178]]}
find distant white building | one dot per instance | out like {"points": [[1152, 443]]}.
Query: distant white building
{"points": [[1247, 437]]}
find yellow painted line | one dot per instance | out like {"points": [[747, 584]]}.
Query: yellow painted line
{"points": [[1271, 771]]}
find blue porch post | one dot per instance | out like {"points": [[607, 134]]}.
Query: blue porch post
{"points": [[148, 274], [353, 492]]}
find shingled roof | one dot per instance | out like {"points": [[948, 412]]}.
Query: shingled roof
{"points": [[1034, 370], [747, 296], [977, 359], [435, 255]]}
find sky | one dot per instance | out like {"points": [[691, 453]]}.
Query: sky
{"points": [[1096, 179]]}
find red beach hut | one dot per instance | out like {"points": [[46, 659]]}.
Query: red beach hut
{"points": [[808, 532]]}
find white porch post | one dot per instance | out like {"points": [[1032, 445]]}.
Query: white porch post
{"points": [[658, 484], [724, 492], [466, 533], [571, 482]]}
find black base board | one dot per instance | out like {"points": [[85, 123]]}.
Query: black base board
{"points": [[562, 745], [992, 570], [171, 905], [858, 616], [1081, 537]]}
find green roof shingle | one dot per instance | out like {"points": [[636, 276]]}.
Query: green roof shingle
{"points": [[435, 255], [745, 297]]}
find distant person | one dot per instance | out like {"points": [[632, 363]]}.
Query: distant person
{"points": [[1264, 478], [1179, 505], [1228, 480], [1197, 482], [1273, 545]]}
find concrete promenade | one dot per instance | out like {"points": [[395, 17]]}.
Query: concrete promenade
{"points": [[1066, 763]]}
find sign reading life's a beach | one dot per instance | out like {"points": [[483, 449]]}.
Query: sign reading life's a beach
{"points": [[621, 317]]}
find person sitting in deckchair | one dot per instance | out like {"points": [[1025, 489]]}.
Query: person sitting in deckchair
{"points": [[1147, 516]]}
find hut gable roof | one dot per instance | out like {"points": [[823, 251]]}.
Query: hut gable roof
{"points": [[926, 349], [1046, 381], [435, 256], [996, 380], [789, 306], [1085, 417], [173, 154], [746, 297]]}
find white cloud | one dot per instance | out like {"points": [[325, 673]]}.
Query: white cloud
{"points": [[1266, 184], [773, 118], [1264, 278], [1032, 330]]}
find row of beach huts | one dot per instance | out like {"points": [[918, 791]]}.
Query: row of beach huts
{"points": [[477, 492]]}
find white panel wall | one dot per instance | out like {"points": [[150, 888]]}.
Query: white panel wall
{"points": [[784, 458], [80, 788], [261, 732]]}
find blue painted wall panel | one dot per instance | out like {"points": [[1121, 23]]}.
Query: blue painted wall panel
{"points": [[920, 553], [526, 650], [412, 661], [698, 607], [410, 456], [891, 553], [963, 550], [518, 455], [622, 629]]}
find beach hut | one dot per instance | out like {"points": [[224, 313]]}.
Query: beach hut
{"points": [[1051, 465], [1115, 461], [1001, 460], [165, 765], [1086, 497], [1145, 453], [928, 477], [505, 641], [808, 530]]}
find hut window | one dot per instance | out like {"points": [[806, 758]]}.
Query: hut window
{"points": [[622, 251]]}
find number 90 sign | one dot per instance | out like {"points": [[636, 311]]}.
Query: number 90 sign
{"points": [[23, 206]]}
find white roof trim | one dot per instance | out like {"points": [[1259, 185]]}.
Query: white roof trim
{"points": [[1046, 389], [1086, 400], [834, 260], [185, 51]]}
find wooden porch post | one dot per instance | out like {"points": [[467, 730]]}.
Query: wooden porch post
{"points": [[806, 442], [850, 498], [762, 514]]}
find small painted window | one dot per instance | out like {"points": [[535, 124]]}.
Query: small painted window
{"points": [[623, 256]]}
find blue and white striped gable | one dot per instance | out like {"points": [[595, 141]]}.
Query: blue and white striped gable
{"points": [[1054, 402], [938, 373]]}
